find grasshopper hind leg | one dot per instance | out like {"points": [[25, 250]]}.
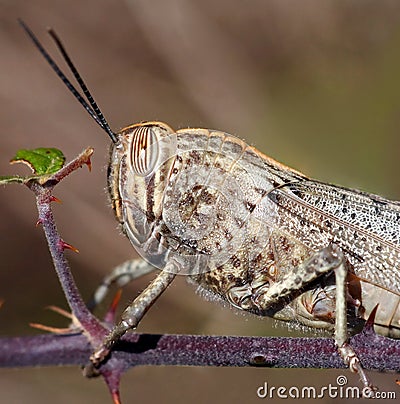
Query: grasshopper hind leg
{"points": [[292, 285], [345, 350]]}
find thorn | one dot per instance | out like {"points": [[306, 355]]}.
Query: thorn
{"points": [[112, 379], [369, 325], [116, 398], [110, 315], [89, 164], [116, 299], [65, 246], [72, 329], [54, 330], [39, 222], [75, 322], [60, 311], [55, 199], [371, 318]]}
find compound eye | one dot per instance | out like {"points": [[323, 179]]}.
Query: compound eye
{"points": [[144, 150]]}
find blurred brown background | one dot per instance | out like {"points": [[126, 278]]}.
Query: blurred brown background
{"points": [[314, 84]]}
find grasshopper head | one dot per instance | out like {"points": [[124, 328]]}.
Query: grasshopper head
{"points": [[139, 168]]}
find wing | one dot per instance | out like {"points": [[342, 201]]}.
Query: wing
{"points": [[365, 226]]}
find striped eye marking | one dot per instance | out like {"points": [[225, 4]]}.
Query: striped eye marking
{"points": [[144, 150]]}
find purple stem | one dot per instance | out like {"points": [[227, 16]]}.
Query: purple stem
{"points": [[57, 246], [376, 352]]}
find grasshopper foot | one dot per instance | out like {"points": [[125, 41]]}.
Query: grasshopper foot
{"points": [[99, 356], [351, 359]]}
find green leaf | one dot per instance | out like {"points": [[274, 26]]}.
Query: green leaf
{"points": [[42, 161]]}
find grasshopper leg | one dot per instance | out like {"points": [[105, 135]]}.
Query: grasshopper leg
{"points": [[292, 284], [132, 315], [121, 275], [347, 353]]}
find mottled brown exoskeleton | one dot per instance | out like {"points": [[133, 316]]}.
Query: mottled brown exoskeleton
{"points": [[247, 229]]}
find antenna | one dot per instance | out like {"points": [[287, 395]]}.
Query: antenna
{"points": [[92, 108]]}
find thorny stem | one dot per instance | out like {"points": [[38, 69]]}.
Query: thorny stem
{"points": [[376, 352], [43, 193]]}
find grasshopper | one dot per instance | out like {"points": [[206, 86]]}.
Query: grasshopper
{"points": [[246, 229]]}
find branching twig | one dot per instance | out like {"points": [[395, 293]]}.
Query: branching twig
{"points": [[43, 193]]}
